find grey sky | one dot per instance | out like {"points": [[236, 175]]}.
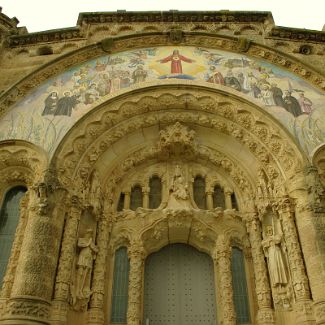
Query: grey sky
{"points": [[39, 15]]}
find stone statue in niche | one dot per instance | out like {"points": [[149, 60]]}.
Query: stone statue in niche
{"points": [[88, 252], [95, 194], [179, 197], [272, 250]]}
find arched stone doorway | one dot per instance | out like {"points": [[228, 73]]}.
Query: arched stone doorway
{"points": [[179, 287]]}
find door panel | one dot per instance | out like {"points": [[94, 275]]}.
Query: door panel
{"points": [[179, 287]]}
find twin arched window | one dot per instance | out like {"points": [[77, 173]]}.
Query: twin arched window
{"points": [[9, 217], [137, 196]]}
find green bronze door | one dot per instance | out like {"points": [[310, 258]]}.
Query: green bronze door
{"points": [[179, 287]]}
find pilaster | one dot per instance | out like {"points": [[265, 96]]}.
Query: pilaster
{"points": [[60, 303], [300, 283], [265, 314], [223, 263], [96, 310], [136, 255]]}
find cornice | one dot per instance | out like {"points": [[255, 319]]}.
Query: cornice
{"points": [[297, 34], [55, 35], [174, 16]]}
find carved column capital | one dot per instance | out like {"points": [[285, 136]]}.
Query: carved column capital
{"points": [[285, 205]]}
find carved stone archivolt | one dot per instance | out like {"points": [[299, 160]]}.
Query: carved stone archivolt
{"points": [[253, 130]]}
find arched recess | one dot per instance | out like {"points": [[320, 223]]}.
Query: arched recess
{"points": [[22, 164], [131, 136]]}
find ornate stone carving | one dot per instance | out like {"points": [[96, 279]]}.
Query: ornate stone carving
{"points": [[99, 144], [26, 309], [96, 310], [298, 272], [223, 256], [175, 36], [177, 140], [263, 291], [67, 256], [136, 255]]}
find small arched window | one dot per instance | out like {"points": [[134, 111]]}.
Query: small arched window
{"points": [[136, 197], [234, 203], [155, 192], [199, 192], [9, 217], [239, 285], [120, 286], [218, 197], [120, 204]]}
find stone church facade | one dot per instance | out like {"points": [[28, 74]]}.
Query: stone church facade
{"points": [[162, 168]]}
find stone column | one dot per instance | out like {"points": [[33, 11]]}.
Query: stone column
{"points": [[60, 304], [223, 264], [136, 255], [145, 200], [209, 200], [127, 200], [265, 314], [228, 193], [96, 310], [303, 305], [33, 285]]}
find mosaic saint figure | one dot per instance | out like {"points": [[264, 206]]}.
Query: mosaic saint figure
{"points": [[139, 74], [51, 103], [215, 76], [267, 95], [231, 81], [291, 104], [176, 61], [277, 95], [305, 103], [66, 104]]}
